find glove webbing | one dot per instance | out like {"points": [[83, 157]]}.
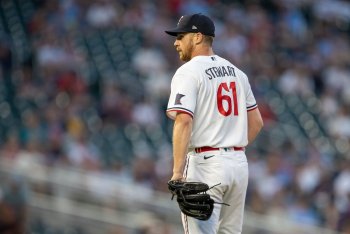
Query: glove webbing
{"points": [[192, 206]]}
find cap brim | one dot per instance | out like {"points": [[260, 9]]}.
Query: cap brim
{"points": [[175, 31]]}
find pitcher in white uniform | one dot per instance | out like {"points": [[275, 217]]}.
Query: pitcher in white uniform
{"points": [[216, 117]]}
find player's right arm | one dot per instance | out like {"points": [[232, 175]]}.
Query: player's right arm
{"points": [[181, 138], [181, 106], [255, 124]]}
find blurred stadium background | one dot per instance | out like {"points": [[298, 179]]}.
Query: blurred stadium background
{"points": [[85, 147]]}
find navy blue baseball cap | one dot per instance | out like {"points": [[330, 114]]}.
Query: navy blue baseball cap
{"points": [[193, 24]]}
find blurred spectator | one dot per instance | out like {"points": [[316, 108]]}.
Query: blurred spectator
{"points": [[10, 148], [54, 133], [302, 212], [296, 80], [149, 60], [102, 13], [71, 13], [340, 126], [80, 151], [5, 56], [271, 181], [32, 129], [13, 205], [115, 104], [336, 78], [146, 113], [143, 171], [32, 153], [342, 188], [308, 176], [344, 226], [70, 82]]}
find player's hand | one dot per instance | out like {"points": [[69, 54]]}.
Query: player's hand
{"points": [[177, 176]]}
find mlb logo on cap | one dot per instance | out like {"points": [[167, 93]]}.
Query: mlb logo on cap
{"points": [[194, 23]]}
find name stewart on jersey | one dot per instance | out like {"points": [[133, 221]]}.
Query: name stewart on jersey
{"points": [[222, 71]]}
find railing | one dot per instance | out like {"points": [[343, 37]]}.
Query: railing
{"points": [[99, 203]]}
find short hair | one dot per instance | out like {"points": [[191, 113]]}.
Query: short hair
{"points": [[208, 40]]}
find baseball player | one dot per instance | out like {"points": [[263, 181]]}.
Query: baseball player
{"points": [[216, 117]]}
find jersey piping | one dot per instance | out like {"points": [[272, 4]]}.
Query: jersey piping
{"points": [[178, 110], [250, 108]]}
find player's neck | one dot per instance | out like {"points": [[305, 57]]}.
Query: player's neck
{"points": [[203, 51]]}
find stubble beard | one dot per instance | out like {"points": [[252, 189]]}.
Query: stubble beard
{"points": [[185, 55]]}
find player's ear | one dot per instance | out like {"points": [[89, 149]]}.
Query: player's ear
{"points": [[199, 37]]}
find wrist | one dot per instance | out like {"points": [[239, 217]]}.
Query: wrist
{"points": [[177, 172], [177, 176]]}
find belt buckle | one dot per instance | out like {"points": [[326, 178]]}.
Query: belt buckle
{"points": [[227, 149]]}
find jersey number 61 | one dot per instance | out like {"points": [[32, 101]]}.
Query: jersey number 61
{"points": [[223, 98]]}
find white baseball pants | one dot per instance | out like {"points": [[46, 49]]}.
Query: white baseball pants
{"points": [[228, 168]]}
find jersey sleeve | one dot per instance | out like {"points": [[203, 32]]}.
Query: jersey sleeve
{"points": [[250, 99], [183, 94]]}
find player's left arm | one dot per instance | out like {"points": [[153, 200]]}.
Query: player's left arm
{"points": [[255, 121], [255, 124], [181, 138]]}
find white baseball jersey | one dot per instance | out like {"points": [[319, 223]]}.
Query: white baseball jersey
{"points": [[217, 95]]}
